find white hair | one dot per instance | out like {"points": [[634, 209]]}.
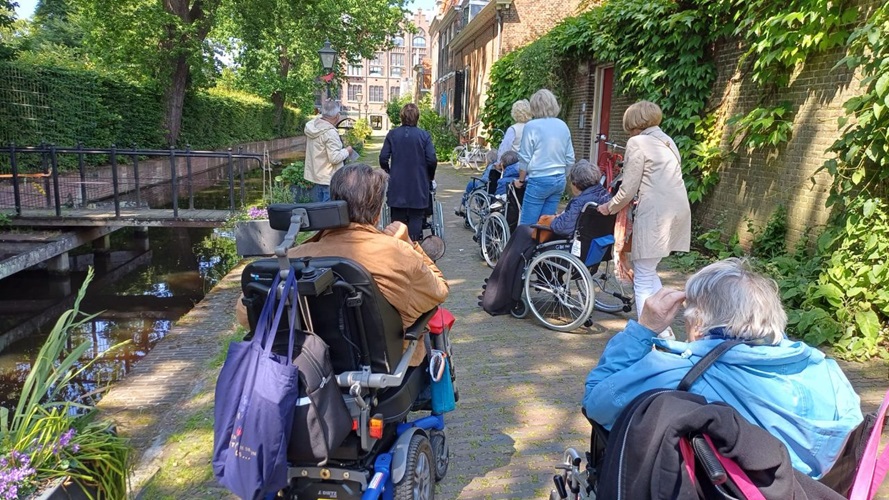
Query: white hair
{"points": [[728, 294], [544, 104], [330, 108]]}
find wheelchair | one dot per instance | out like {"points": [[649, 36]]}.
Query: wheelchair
{"points": [[565, 280], [498, 224], [340, 302], [433, 224], [479, 201]]}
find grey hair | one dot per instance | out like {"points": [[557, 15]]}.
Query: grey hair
{"points": [[584, 174], [362, 187], [729, 294], [509, 158], [521, 111], [544, 104], [491, 156], [330, 108]]}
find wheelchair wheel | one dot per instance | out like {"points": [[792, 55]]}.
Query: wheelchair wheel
{"points": [[559, 290], [520, 310], [494, 235], [611, 295], [440, 453], [418, 482], [476, 209], [438, 220]]}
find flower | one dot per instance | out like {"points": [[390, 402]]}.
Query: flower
{"points": [[257, 213]]}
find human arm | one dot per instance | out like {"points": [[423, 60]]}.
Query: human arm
{"points": [[569, 152], [386, 154], [506, 142], [336, 153], [526, 152], [565, 222], [634, 163]]}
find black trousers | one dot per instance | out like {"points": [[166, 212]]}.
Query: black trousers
{"points": [[413, 218]]}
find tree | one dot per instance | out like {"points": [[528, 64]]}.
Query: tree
{"points": [[7, 18]]}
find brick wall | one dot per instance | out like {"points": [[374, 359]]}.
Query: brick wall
{"points": [[579, 112], [528, 20]]}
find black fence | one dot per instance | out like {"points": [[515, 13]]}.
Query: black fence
{"points": [[50, 177]]}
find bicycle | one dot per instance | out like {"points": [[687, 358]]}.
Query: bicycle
{"points": [[470, 153], [610, 162]]}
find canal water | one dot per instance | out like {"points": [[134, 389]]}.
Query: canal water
{"points": [[142, 293]]}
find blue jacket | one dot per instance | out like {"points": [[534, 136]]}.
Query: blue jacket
{"points": [[790, 389], [509, 174], [409, 157], [565, 222]]}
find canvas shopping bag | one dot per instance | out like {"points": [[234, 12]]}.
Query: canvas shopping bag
{"points": [[255, 397]]}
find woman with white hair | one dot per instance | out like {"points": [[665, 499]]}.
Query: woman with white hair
{"points": [[545, 154], [512, 138], [786, 387]]}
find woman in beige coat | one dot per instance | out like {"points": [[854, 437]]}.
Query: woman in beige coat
{"points": [[662, 223]]}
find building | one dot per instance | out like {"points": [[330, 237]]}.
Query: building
{"points": [[468, 36], [390, 74]]}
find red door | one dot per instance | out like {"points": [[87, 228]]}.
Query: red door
{"points": [[606, 86]]}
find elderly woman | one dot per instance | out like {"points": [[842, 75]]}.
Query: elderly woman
{"points": [[788, 388], [512, 138], [408, 156], [652, 173], [584, 178], [545, 153]]}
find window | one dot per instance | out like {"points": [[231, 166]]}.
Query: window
{"points": [[395, 71], [376, 122], [355, 70], [398, 41], [354, 91], [396, 59], [419, 41], [376, 93], [377, 60], [394, 92], [376, 71]]}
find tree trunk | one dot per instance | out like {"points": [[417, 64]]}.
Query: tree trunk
{"points": [[175, 99], [279, 96]]}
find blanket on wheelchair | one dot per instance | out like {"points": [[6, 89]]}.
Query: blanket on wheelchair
{"points": [[503, 289]]}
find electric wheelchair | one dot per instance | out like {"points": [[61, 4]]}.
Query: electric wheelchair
{"points": [[339, 301], [564, 280]]}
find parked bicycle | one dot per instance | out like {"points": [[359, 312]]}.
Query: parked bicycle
{"points": [[610, 161], [470, 153]]}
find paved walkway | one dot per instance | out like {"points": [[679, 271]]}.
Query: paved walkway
{"points": [[520, 384]]}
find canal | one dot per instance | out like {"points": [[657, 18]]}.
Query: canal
{"points": [[140, 290]]}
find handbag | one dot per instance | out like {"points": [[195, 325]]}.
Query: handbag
{"points": [[321, 421], [255, 396], [543, 235]]}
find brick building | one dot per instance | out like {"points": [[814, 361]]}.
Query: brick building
{"points": [[390, 74], [468, 36]]}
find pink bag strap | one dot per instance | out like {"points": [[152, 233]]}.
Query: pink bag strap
{"points": [[874, 465], [688, 456], [741, 479]]}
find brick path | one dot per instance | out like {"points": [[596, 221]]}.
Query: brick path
{"points": [[520, 384]]}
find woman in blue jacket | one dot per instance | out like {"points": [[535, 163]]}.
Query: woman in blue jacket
{"points": [[788, 388], [408, 156]]}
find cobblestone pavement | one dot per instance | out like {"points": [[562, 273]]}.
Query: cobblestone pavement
{"points": [[520, 384]]}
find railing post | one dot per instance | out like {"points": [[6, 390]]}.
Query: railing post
{"points": [[45, 167], [190, 179], [231, 182], [136, 177], [54, 163], [241, 172], [114, 185], [82, 170], [16, 189], [174, 186]]}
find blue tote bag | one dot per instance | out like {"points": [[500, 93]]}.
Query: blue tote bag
{"points": [[256, 394]]}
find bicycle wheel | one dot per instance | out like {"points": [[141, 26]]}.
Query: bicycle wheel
{"points": [[495, 234], [477, 207], [559, 290], [458, 153], [611, 294]]}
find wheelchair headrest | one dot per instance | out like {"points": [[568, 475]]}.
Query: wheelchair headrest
{"points": [[324, 215]]}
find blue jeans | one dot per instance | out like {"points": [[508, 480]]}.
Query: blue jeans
{"points": [[320, 192], [542, 195]]}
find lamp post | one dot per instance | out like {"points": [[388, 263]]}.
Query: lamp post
{"points": [[359, 96], [328, 59]]}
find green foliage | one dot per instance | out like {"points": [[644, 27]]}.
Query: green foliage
{"points": [[763, 127], [393, 109], [294, 175], [712, 240], [358, 135], [5, 219], [443, 138], [41, 417], [769, 243]]}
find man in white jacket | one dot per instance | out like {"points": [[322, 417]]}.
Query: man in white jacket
{"points": [[324, 149]]}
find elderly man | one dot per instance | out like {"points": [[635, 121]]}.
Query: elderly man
{"points": [[407, 278], [788, 388], [324, 150]]}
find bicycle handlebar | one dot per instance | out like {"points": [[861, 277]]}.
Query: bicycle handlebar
{"points": [[602, 138]]}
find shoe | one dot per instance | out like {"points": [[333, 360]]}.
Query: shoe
{"points": [[460, 212]]}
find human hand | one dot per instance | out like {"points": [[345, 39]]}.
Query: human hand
{"points": [[603, 209], [518, 183], [660, 309], [349, 149], [398, 230]]}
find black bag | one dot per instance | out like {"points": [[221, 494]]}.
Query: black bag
{"points": [[321, 421]]}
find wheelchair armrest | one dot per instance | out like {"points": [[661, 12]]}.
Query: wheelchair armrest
{"points": [[479, 179], [541, 226], [379, 380], [414, 331]]}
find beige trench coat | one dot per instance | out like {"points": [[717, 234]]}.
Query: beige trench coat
{"points": [[663, 216]]}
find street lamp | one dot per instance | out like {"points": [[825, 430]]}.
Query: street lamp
{"points": [[328, 59], [359, 96]]}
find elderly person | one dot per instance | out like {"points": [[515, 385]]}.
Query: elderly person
{"points": [[408, 155], [407, 278], [788, 388], [491, 161], [512, 138], [545, 153], [585, 188], [324, 150], [652, 173]]}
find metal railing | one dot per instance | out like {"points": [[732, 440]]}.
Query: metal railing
{"points": [[35, 173]]}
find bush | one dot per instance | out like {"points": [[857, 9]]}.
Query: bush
{"points": [[443, 138]]}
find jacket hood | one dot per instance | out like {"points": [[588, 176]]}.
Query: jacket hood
{"points": [[316, 127], [785, 352]]}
